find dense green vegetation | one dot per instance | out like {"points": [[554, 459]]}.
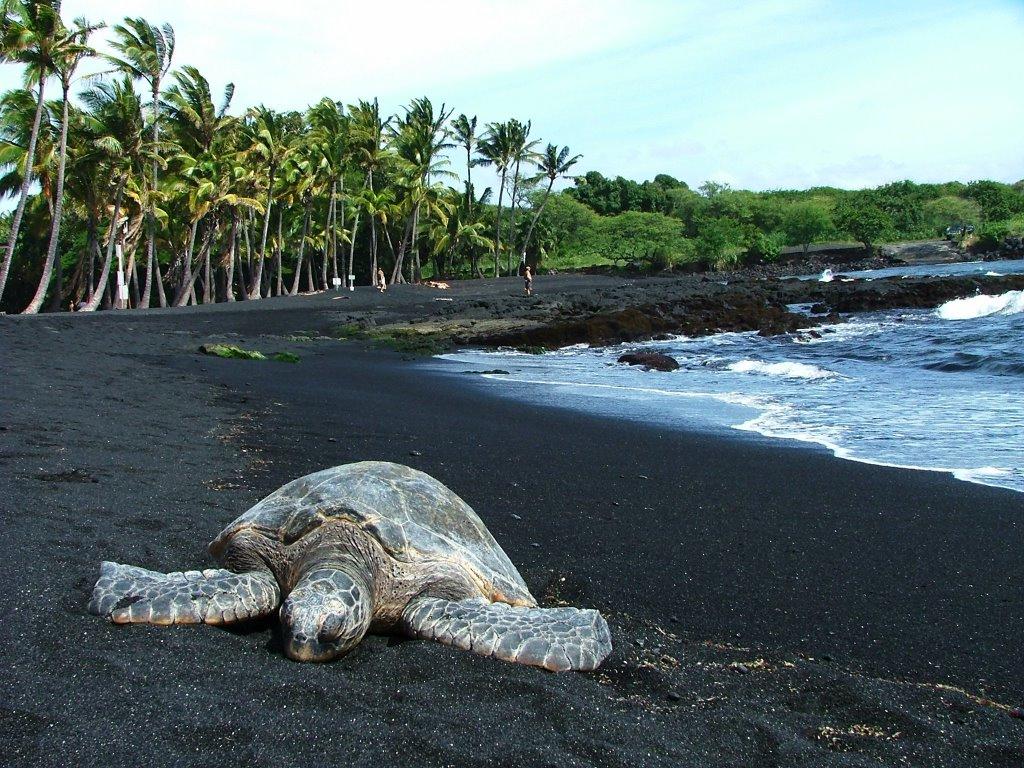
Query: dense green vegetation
{"points": [[604, 222], [144, 175]]}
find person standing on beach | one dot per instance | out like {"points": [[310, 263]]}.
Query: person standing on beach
{"points": [[528, 280], [382, 283]]}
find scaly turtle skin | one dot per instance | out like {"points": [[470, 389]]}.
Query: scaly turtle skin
{"points": [[362, 547]]}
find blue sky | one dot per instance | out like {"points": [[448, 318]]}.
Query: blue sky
{"points": [[757, 94]]}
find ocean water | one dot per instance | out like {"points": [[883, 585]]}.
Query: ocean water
{"points": [[939, 390], [959, 269]]}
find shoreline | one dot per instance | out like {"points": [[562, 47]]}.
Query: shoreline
{"points": [[768, 605], [745, 428]]}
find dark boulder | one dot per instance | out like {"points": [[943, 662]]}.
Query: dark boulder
{"points": [[650, 360]]}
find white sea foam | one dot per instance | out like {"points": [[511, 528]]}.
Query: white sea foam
{"points": [[1009, 303], [990, 273], [777, 422], [788, 370], [827, 276]]}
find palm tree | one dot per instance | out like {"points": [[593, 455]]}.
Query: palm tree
{"points": [[520, 150], [366, 146], [30, 32], [66, 58], [119, 129], [330, 136], [463, 130], [200, 129], [553, 163], [419, 140], [496, 150], [378, 206], [146, 52], [268, 142], [458, 229]]}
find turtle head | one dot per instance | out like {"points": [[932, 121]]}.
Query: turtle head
{"points": [[326, 615]]}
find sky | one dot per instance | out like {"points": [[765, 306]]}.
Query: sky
{"points": [[759, 95]]}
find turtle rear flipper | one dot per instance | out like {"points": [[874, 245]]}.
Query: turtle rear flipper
{"points": [[129, 595], [557, 639]]}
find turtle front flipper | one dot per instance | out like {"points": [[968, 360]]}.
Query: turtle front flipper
{"points": [[129, 595], [557, 639]]}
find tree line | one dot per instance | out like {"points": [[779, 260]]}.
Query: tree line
{"points": [[662, 222], [139, 188]]}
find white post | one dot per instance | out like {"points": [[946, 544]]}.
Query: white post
{"points": [[351, 282], [122, 289]]}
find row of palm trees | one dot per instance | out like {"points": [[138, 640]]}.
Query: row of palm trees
{"points": [[150, 192]]}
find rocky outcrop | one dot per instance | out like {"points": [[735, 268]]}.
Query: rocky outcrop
{"points": [[650, 361]]}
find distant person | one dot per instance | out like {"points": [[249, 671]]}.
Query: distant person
{"points": [[382, 283], [528, 280]]}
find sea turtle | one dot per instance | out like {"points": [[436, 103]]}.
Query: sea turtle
{"points": [[372, 546]]}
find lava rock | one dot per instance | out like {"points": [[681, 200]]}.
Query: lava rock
{"points": [[650, 360]]}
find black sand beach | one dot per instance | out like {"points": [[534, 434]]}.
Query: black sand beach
{"points": [[770, 604]]}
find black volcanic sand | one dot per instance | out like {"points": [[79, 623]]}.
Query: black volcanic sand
{"points": [[770, 605]]}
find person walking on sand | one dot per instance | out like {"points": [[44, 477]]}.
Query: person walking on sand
{"points": [[528, 280], [382, 282]]}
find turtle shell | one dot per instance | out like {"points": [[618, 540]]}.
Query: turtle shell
{"points": [[411, 514]]}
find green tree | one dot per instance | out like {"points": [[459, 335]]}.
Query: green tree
{"points": [[267, 141], [553, 164], [31, 34], [116, 116], [67, 55], [720, 242], [145, 53], [861, 217], [804, 223], [496, 149], [950, 210], [997, 201]]}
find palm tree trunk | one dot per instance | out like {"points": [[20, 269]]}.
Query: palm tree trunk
{"points": [[151, 213], [536, 218], [331, 212], [417, 274], [341, 190], [133, 268], [207, 283], [25, 185], [497, 238], [93, 246], [58, 210], [512, 218], [469, 181], [158, 278], [229, 282], [279, 249], [352, 249], [373, 251], [257, 284], [185, 289], [245, 269], [396, 274], [302, 251], [101, 287]]}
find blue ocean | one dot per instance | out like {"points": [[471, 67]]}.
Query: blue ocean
{"points": [[939, 390]]}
